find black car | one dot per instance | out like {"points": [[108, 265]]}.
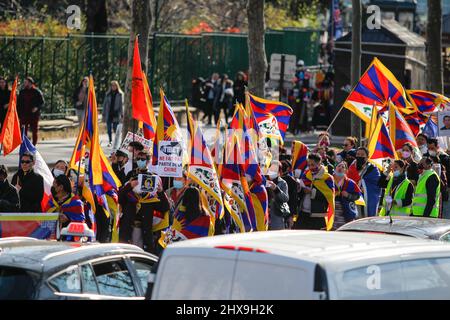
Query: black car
{"points": [[40, 269], [417, 227]]}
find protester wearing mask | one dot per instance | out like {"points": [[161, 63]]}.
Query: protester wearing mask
{"points": [[422, 141], [348, 152], [408, 156], [119, 161], [319, 191], [133, 150], [367, 176], [69, 206], [425, 201], [175, 194], [399, 190], [347, 192], [60, 168], [9, 197], [29, 184], [442, 165], [278, 195], [145, 204]]}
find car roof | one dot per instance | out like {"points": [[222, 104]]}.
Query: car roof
{"points": [[47, 256], [417, 227], [338, 248]]}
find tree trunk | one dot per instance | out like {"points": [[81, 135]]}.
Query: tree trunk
{"points": [[97, 16], [256, 47], [356, 60], [434, 47], [140, 24]]}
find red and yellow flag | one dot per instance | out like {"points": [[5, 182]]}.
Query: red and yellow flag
{"points": [[10, 136]]}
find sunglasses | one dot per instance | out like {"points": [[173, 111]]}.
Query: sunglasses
{"points": [[143, 159], [26, 161]]}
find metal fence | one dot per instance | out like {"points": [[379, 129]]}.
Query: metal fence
{"points": [[58, 64]]}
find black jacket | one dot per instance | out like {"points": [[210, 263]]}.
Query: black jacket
{"points": [[9, 198], [120, 173], [293, 193], [31, 192], [37, 101]]}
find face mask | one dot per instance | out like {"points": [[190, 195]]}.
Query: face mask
{"points": [[339, 174], [57, 172], [360, 161], [432, 153], [397, 173], [297, 173], [273, 176], [142, 164], [406, 154], [177, 184], [315, 170]]}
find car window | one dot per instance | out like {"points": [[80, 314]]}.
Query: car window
{"points": [[143, 268], [427, 278], [114, 279], [445, 237], [17, 284], [88, 279], [377, 281], [67, 281]]}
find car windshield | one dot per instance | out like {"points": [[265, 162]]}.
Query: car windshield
{"points": [[16, 284]]}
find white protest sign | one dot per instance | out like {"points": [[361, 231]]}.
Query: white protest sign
{"points": [[148, 144], [148, 183], [170, 159]]}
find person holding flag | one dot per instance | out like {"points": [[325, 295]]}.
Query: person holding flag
{"points": [[367, 176], [69, 206], [191, 220], [399, 190], [347, 192], [318, 204]]}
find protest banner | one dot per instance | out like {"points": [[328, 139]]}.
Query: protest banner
{"points": [[130, 137], [170, 159]]}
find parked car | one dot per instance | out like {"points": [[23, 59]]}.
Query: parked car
{"points": [[304, 264], [41, 269], [417, 227]]}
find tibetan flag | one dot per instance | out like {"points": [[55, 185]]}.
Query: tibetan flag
{"points": [[167, 128], [94, 164], [327, 187], [203, 172], [234, 184], [376, 86], [299, 154], [73, 208], [399, 130], [183, 229], [271, 116], [40, 167], [370, 127], [10, 136], [431, 128], [426, 101], [416, 121], [380, 145], [149, 128], [34, 225]]}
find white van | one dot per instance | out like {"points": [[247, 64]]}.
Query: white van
{"points": [[304, 265]]}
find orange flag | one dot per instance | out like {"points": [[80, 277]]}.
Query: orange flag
{"points": [[139, 99], [10, 136]]}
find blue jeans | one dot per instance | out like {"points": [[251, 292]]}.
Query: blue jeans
{"points": [[111, 126]]}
